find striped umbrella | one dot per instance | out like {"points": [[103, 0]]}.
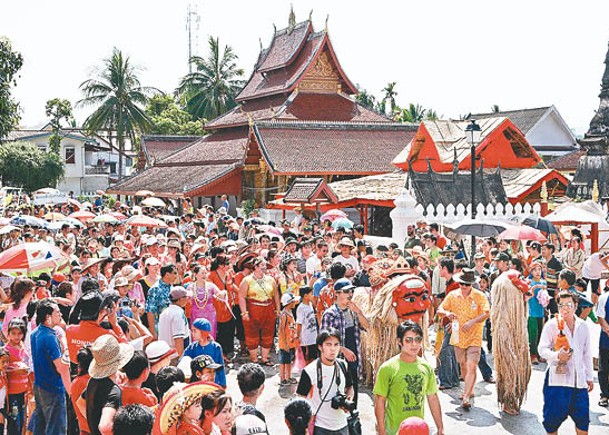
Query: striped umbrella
{"points": [[29, 257]]}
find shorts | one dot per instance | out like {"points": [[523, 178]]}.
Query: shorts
{"points": [[471, 353], [286, 356], [562, 402]]}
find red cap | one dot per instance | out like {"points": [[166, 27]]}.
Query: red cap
{"points": [[414, 426]]}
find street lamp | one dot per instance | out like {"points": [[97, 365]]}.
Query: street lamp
{"points": [[472, 134]]}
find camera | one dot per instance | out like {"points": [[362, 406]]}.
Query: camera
{"points": [[125, 303], [341, 401]]}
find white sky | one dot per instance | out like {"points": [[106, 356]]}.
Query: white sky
{"points": [[453, 56]]}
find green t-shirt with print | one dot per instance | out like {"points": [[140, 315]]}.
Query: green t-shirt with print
{"points": [[405, 387]]}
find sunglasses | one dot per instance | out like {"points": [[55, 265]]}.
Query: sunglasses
{"points": [[411, 340], [566, 305], [344, 291]]}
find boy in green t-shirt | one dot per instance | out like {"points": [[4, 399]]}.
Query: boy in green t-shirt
{"points": [[402, 383]]}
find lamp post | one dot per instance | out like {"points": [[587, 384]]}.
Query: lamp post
{"points": [[472, 134]]}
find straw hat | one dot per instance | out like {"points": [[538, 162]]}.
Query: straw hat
{"points": [[108, 356], [178, 399], [91, 262]]}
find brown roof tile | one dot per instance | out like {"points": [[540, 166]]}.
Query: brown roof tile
{"points": [[285, 46], [157, 147], [331, 148], [568, 162], [221, 146], [329, 107], [264, 108]]}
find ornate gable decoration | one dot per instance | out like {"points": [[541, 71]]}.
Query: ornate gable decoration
{"points": [[322, 77]]}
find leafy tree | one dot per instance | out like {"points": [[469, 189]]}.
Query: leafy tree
{"points": [[58, 110], [118, 97], [211, 89], [23, 164], [414, 113], [366, 99], [431, 115], [389, 96], [169, 118], [10, 64]]}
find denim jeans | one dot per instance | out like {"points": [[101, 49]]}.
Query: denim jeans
{"points": [[51, 415], [603, 371], [16, 413], [485, 369], [322, 431], [449, 368]]}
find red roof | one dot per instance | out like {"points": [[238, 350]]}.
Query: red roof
{"points": [[568, 162], [301, 106], [158, 147], [221, 146], [285, 46], [297, 148]]}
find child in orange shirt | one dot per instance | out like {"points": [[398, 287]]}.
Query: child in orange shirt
{"points": [[79, 384], [4, 361], [17, 373], [288, 341], [137, 371]]}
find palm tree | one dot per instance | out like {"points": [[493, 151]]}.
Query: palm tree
{"points": [[414, 113], [390, 94], [119, 101], [212, 88]]}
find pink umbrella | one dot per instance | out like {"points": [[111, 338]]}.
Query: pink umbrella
{"points": [[145, 221], [4, 221], [118, 215], [269, 229], [333, 214], [522, 232], [29, 257], [82, 216]]}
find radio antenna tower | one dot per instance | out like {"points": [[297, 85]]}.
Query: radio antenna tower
{"points": [[193, 21]]}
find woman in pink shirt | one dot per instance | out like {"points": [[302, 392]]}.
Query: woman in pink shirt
{"points": [[22, 291]]}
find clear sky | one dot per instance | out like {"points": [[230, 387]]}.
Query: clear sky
{"points": [[453, 56]]}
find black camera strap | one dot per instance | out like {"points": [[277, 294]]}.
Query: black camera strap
{"points": [[320, 384]]}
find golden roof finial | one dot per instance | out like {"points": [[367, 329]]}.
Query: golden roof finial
{"points": [[311, 16], [291, 19], [327, 18], [544, 192], [595, 192]]}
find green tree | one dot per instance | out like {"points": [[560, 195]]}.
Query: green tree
{"points": [[23, 164], [169, 118], [119, 100], [389, 96], [211, 90], [414, 113], [366, 99], [58, 110], [10, 64], [431, 115]]}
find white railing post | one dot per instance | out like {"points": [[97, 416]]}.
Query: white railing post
{"points": [[405, 213]]}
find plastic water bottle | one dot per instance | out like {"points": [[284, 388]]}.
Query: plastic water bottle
{"points": [[454, 335]]}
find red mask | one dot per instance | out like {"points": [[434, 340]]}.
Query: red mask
{"points": [[518, 282], [411, 299]]}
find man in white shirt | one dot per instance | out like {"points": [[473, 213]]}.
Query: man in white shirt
{"points": [[566, 395], [314, 267], [173, 325], [349, 261], [593, 268]]}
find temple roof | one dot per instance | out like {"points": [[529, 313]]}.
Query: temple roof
{"points": [[310, 190], [524, 119], [568, 162], [221, 146], [157, 147], [332, 148], [590, 168], [289, 57], [298, 106]]}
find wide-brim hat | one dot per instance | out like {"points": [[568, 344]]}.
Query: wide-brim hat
{"points": [[108, 356], [244, 260], [466, 276], [159, 350], [91, 262], [178, 399], [129, 272], [346, 241]]}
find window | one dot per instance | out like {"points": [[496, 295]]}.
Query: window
{"points": [[70, 155]]}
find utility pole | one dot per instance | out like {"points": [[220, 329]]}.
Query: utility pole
{"points": [[192, 27]]}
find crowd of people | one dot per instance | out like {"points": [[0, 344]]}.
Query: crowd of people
{"points": [[134, 329]]}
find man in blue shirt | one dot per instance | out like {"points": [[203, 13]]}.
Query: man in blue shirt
{"points": [[52, 375], [158, 297], [204, 344]]}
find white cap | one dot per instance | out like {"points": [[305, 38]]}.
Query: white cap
{"points": [[152, 241], [247, 424], [288, 298]]}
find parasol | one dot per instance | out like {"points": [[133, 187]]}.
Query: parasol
{"points": [[104, 218], [144, 193], [118, 215], [4, 221], [332, 215], [539, 223], [82, 216], [53, 216], [269, 229], [145, 221], [153, 202], [342, 222], [7, 229], [478, 228], [29, 257], [32, 221], [522, 232]]}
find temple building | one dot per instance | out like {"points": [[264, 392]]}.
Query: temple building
{"points": [[594, 165], [296, 117]]}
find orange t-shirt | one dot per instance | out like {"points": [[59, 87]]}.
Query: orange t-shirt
{"points": [[222, 310], [143, 396], [85, 333], [18, 378], [78, 386], [287, 331]]}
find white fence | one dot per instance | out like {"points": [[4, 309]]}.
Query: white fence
{"points": [[450, 213]]}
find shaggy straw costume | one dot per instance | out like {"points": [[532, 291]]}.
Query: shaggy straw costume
{"points": [[509, 312], [379, 343]]}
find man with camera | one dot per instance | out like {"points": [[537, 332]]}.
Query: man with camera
{"points": [[403, 382], [327, 385]]}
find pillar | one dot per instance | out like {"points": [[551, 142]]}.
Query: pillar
{"points": [[544, 199], [402, 215]]}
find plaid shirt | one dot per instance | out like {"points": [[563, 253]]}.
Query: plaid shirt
{"points": [[334, 317]]}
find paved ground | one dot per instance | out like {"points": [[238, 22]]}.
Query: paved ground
{"points": [[484, 418]]}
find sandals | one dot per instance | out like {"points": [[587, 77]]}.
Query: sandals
{"points": [[604, 402], [466, 405], [267, 363], [293, 381]]}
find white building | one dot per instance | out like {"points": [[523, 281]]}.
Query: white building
{"points": [[90, 163]]}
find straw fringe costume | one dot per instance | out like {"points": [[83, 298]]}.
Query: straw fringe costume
{"points": [[509, 312]]}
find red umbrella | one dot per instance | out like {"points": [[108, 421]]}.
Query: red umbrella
{"points": [[82, 215], [145, 221], [4, 221], [522, 232], [118, 215], [333, 214], [29, 257]]}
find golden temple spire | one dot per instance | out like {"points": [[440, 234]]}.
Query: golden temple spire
{"points": [[291, 20]]}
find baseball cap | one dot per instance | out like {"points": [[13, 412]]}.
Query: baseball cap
{"points": [[151, 241], [202, 324], [502, 256], [205, 362], [288, 298], [158, 350], [177, 292], [151, 261], [246, 424], [343, 284]]}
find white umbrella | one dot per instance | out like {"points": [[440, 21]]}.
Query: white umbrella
{"points": [[153, 202], [7, 229]]}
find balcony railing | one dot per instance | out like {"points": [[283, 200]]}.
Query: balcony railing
{"points": [[97, 170]]}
